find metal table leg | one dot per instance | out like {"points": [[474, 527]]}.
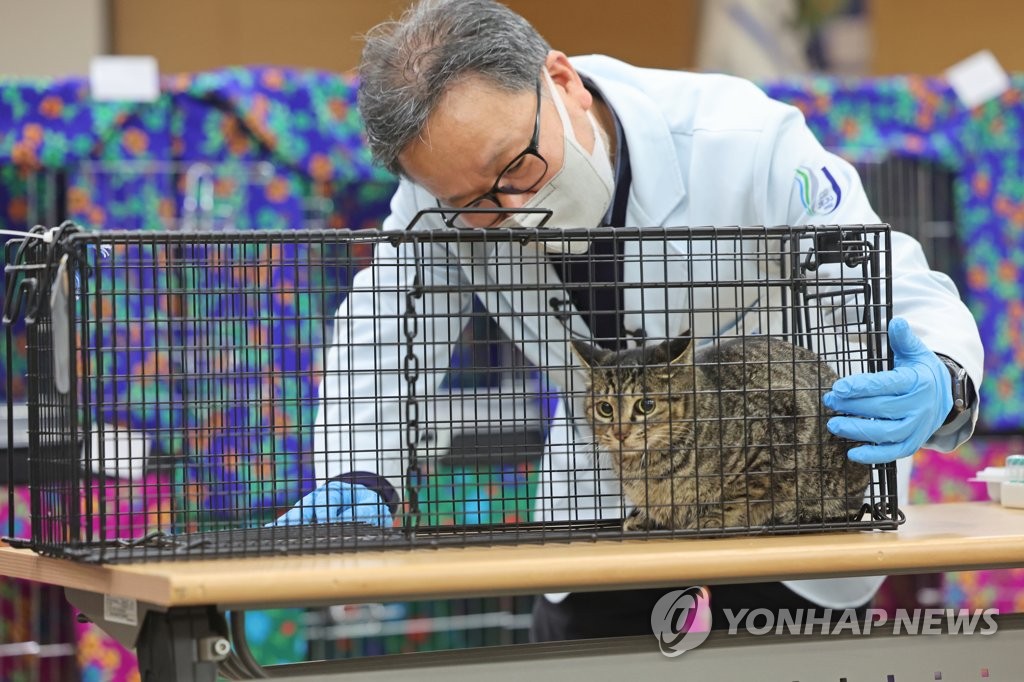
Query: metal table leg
{"points": [[182, 644], [173, 645]]}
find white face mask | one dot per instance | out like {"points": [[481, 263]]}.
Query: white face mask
{"points": [[580, 193]]}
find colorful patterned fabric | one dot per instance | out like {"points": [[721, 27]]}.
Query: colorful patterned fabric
{"points": [[942, 477], [282, 149], [225, 384], [103, 659], [921, 118], [302, 121], [31, 612]]}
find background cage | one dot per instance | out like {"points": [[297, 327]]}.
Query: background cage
{"points": [[208, 345], [917, 197]]}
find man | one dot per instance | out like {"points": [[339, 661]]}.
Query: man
{"points": [[471, 108]]}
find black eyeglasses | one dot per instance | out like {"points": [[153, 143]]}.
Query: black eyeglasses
{"points": [[520, 176]]}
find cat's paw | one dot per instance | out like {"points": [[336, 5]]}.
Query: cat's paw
{"points": [[637, 522], [712, 522]]}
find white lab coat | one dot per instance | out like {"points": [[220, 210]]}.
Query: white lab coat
{"points": [[704, 150]]}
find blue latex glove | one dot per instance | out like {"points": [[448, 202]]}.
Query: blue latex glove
{"points": [[895, 411], [337, 501]]}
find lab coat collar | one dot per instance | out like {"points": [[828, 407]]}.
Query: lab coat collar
{"points": [[658, 187]]}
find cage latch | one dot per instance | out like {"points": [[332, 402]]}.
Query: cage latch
{"points": [[837, 246]]}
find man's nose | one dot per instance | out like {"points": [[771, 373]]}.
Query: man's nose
{"points": [[515, 200]]}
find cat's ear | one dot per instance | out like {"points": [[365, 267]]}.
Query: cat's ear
{"points": [[588, 354], [678, 350]]}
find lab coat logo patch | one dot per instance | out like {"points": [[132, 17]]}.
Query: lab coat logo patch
{"points": [[819, 192]]}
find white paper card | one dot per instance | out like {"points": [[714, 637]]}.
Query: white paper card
{"points": [[124, 79], [978, 79], [123, 610], [124, 453]]}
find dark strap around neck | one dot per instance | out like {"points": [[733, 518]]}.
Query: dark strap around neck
{"points": [[601, 306]]}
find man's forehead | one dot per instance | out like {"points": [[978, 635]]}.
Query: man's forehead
{"points": [[467, 138], [475, 110]]}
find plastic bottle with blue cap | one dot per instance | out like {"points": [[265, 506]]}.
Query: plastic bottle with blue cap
{"points": [[1012, 492]]}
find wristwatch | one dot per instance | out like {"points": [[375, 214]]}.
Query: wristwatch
{"points": [[963, 389]]}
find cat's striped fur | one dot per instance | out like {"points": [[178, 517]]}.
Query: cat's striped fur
{"points": [[736, 439]]}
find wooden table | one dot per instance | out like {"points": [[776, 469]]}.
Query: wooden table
{"points": [[175, 597]]}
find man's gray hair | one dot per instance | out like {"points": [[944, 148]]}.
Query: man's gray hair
{"points": [[407, 65]]}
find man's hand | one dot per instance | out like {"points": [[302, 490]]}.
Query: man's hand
{"points": [[338, 501], [895, 411]]}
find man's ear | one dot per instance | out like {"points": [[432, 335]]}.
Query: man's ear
{"points": [[589, 355], [565, 76]]}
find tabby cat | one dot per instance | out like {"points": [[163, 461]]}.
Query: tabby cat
{"points": [[733, 438]]}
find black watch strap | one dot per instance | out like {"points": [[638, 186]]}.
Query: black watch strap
{"points": [[962, 387]]}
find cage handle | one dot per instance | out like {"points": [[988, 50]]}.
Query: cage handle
{"points": [[26, 288], [16, 296]]}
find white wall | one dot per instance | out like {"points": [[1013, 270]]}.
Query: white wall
{"points": [[51, 37]]}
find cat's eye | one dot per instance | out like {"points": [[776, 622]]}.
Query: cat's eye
{"points": [[605, 410], [644, 406]]}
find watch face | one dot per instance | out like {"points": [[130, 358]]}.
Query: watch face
{"points": [[959, 383]]}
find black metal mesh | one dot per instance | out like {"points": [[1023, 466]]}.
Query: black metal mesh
{"points": [[196, 363], [917, 197]]}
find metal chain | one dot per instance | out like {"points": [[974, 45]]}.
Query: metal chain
{"points": [[411, 367]]}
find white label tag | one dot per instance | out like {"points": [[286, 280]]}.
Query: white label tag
{"points": [[124, 79], [120, 453], [123, 610], [978, 79]]}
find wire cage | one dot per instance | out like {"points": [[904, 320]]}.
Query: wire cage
{"points": [[176, 342]]}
